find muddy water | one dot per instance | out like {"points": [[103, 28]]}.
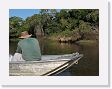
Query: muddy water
{"points": [[88, 65]]}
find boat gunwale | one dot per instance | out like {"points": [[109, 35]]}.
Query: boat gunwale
{"points": [[56, 71], [43, 61]]}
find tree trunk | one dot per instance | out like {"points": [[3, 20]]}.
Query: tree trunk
{"points": [[39, 31]]}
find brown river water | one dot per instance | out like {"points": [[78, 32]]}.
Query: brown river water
{"points": [[87, 66]]}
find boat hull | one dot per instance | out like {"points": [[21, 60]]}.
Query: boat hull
{"points": [[40, 68]]}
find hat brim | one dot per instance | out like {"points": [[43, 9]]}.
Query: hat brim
{"points": [[27, 36]]}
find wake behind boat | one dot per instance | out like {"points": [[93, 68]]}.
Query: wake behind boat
{"points": [[49, 65]]}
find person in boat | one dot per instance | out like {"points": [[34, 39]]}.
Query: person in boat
{"points": [[28, 48]]}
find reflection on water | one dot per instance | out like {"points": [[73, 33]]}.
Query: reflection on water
{"points": [[88, 65], [53, 47]]}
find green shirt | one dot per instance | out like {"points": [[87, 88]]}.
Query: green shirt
{"points": [[29, 48]]}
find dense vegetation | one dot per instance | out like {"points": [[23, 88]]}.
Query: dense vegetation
{"points": [[63, 25]]}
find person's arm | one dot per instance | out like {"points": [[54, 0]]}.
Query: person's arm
{"points": [[18, 50]]}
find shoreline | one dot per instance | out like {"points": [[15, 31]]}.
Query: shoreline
{"points": [[66, 41]]}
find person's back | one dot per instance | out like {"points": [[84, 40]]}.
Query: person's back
{"points": [[29, 48]]}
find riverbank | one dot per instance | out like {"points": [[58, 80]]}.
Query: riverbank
{"points": [[72, 37], [72, 40], [64, 40]]}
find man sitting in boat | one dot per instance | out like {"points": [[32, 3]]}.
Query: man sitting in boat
{"points": [[28, 48]]}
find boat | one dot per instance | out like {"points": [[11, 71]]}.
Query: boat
{"points": [[49, 65]]}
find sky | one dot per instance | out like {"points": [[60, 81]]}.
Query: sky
{"points": [[23, 13]]}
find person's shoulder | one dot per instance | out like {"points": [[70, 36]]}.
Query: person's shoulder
{"points": [[33, 38], [22, 40]]}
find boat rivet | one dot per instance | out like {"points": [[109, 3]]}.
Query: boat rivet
{"points": [[76, 62]]}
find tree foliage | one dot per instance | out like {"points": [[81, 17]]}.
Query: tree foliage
{"points": [[52, 21]]}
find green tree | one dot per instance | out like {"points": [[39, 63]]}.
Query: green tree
{"points": [[51, 21], [15, 24]]}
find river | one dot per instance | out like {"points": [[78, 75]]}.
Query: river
{"points": [[87, 66]]}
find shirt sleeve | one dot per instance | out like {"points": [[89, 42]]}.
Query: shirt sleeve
{"points": [[18, 50]]}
